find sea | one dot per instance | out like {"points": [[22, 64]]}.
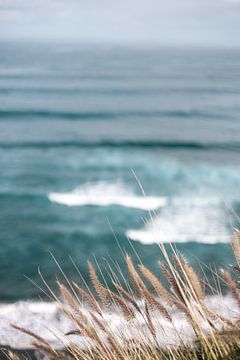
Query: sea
{"points": [[107, 150]]}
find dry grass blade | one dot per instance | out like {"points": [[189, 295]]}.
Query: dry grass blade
{"points": [[116, 348], [184, 309], [236, 244], [153, 280], [216, 317], [105, 330], [12, 356], [231, 285], [149, 319], [108, 336]]}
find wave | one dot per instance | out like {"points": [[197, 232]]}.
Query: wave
{"points": [[46, 115], [186, 220], [229, 146], [88, 115], [105, 194], [65, 90]]}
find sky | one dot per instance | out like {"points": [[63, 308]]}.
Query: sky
{"points": [[178, 22]]}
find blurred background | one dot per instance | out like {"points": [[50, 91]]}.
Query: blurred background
{"points": [[96, 99]]}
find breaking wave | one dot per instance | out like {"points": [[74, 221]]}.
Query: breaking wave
{"points": [[105, 194], [47, 320], [184, 220]]}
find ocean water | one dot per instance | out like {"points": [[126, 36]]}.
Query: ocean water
{"points": [[84, 129]]}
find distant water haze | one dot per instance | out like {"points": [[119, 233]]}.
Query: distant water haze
{"points": [[78, 124], [206, 22]]}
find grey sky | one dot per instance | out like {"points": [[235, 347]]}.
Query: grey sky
{"points": [[204, 22]]}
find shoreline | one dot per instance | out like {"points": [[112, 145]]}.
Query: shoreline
{"points": [[47, 320]]}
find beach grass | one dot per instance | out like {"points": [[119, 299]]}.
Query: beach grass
{"points": [[152, 313]]}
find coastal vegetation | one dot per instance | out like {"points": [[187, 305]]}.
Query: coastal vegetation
{"points": [[156, 310]]}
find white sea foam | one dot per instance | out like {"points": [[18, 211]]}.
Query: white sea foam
{"points": [[201, 220], [46, 319], [105, 194]]}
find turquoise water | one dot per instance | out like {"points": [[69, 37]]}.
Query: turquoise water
{"points": [[78, 124]]}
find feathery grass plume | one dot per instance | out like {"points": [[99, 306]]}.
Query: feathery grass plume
{"points": [[128, 313], [84, 329], [149, 320], [143, 291], [80, 320], [92, 334], [67, 296], [235, 240], [184, 309], [107, 342], [154, 304], [181, 302], [32, 334], [101, 291], [231, 285], [153, 280], [191, 278], [172, 282], [128, 296], [139, 284], [194, 289], [90, 300], [100, 323], [74, 313]]}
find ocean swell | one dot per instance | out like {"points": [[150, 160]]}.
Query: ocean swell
{"points": [[101, 115], [141, 143]]}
